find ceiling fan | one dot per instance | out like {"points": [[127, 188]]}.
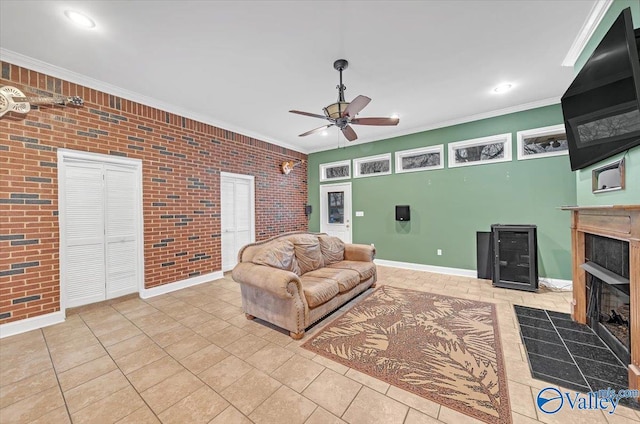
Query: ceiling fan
{"points": [[342, 113]]}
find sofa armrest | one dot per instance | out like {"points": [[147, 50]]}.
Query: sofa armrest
{"points": [[273, 280], [359, 252]]}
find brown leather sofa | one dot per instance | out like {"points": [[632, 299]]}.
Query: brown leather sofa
{"points": [[294, 279]]}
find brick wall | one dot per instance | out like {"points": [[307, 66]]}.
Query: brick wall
{"points": [[182, 161]]}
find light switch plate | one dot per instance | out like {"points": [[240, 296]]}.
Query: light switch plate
{"points": [[359, 213]]}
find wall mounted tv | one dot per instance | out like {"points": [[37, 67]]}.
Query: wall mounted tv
{"points": [[601, 108]]}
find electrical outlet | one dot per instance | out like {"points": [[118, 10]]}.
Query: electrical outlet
{"points": [[439, 252]]}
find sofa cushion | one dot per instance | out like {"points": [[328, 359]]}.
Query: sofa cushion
{"points": [[277, 254], [307, 252], [346, 278], [365, 269], [318, 290], [332, 249]]}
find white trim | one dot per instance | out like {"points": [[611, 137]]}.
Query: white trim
{"points": [[376, 158], [429, 268], [67, 75], [553, 129], [69, 156], [594, 18], [348, 204], [414, 152], [324, 166], [252, 206], [492, 139], [555, 283], [442, 124], [178, 285], [28, 324]]}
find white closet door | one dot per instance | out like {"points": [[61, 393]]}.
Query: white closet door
{"points": [[121, 231], [84, 233], [228, 223], [237, 216], [243, 215]]}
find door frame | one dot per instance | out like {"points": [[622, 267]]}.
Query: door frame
{"points": [[66, 156], [252, 211], [323, 211]]}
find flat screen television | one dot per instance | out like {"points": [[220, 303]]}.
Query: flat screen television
{"points": [[601, 108]]}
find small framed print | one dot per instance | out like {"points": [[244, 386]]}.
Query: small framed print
{"points": [[421, 159], [335, 171], [371, 166], [480, 151], [542, 142]]}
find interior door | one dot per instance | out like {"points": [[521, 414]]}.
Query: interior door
{"points": [[237, 216], [335, 210]]}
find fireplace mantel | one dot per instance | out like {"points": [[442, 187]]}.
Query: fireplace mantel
{"points": [[620, 222]]}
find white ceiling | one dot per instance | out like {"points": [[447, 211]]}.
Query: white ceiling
{"points": [[242, 65]]}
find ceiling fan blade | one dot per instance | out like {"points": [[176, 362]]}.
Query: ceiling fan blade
{"points": [[349, 133], [375, 121], [356, 106], [316, 130], [313, 115]]}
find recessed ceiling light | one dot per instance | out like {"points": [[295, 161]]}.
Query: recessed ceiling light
{"points": [[79, 19], [324, 133], [395, 116], [503, 88]]}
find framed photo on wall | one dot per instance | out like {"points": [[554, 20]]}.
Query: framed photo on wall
{"points": [[335, 171], [542, 142], [371, 166], [480, 151], [420, 159]]}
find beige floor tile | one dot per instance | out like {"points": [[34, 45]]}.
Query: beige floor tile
{"points": [[417, 417], [142, 415], [450, 416], [196, 319], [334, 366], [94, 390], [73, 358], [230, 416], [283, 405], [423, 405], [322, 416], [246, 346], [133, 344], [332, 391], [204, 358], [85, 372], [58, 416], [370, 406], [110, 409], [116, 336], [16, 367], [226, 336], [297, 372], [225, 373], [210, 327], [153, 373], [269, 358], [200, 406], [173, 335], [521, 399], [187, 346], [33, 407], [27, 387], [138, 359], [522, 419], [367, 380], [171, 390], [250, 390]]}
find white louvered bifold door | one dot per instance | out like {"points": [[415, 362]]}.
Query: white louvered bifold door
{"points": [[121, 229], [228, 223], [84, 233]]}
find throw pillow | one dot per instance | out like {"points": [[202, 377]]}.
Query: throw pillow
{"points": [[332, 249]]}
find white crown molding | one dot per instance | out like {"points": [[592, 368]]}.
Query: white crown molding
{"points": [[178, 285], [76, 78], [463, 120], [28, 324], [598, 11]]}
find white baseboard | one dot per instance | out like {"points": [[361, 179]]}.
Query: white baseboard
{"points": [[28, 324], [171, 287], [429, 268], [553, 283]]}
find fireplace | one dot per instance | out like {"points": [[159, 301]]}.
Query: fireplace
{"points": [[605, 250]]}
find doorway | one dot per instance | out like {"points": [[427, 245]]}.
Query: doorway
{"points": [[237, 202], [335, 210]]}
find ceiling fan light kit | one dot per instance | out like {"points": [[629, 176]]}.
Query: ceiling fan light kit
{"points": [[342, 113]]}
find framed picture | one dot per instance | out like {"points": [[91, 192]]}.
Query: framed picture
{"points": [[542, 142], [335, 171], [480, 151], [421, 159], [371, 166]]}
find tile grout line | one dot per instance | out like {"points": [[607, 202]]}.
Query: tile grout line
{"points": [[55, 372]]}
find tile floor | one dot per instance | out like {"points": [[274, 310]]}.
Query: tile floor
{"points": [[191, 357]]}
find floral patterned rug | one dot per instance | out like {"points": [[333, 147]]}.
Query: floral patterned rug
{"points": [[442, 348]]}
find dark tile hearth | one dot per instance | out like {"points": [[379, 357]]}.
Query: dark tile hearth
{"points": [[568, 354]]}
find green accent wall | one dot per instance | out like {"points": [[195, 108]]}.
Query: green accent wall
{"points": [[631, 194], [448, 206]]}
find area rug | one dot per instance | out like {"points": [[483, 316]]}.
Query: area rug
{"points": [[442, 348]]}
